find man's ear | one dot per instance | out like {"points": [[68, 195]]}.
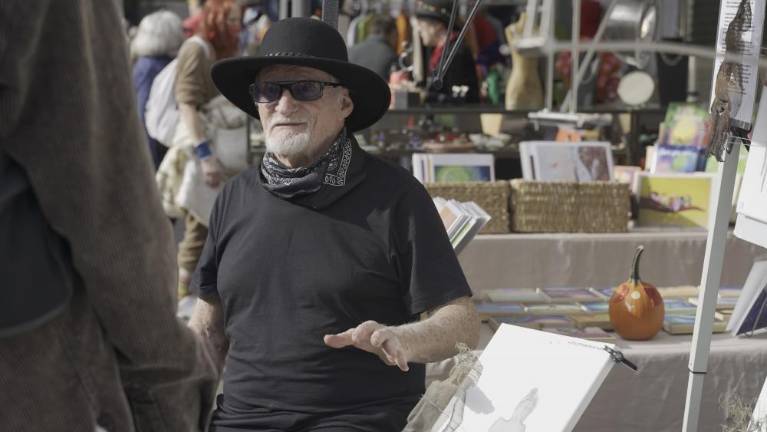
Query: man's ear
{"points": [[347, 104]]}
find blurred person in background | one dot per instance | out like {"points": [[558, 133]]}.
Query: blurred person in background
{"points": [[377, 52], [255, 22], [156, 43], [433, 18], [192, 22], [192, 173], [88, 332]]}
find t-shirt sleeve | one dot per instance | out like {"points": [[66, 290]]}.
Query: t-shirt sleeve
{"points": [[426, 261], [205, 277], [190, 75]]}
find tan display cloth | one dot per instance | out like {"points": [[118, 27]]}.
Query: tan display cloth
{"points": [[654, 399], [671, 258]]}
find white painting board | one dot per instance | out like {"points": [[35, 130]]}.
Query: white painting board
{"points": [[751, 230], [754, 285], [758, 421], [751, 48], [531, 381], [753, 191]]}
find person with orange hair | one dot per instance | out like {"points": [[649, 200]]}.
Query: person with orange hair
{"points": [[217, 38]]}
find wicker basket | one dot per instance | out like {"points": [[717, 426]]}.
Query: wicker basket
{"points": [[493, 197], [595, 207]]}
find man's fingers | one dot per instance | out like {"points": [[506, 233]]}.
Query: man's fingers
{"points": [[391, 347], [402, 362], [362, 334], [375, 338], [395, 354], [358, 336], [380, 336], [339, 340]]}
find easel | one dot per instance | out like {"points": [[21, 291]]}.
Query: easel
{"points": [[714, 258], [713, 262]]}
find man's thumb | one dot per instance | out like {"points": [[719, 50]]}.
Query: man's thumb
{"points": [[337, 341]]}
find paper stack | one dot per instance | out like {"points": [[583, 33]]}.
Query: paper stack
{"points": [[462, 220]]}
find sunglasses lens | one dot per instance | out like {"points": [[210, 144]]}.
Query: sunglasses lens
{"points": [[265, 92], [306, 90]]}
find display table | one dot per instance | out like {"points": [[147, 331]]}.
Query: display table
{"points": [[654, 399], [671, 258]]}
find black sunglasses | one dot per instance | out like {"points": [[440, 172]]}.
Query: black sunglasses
{"points": [[303, 91]]}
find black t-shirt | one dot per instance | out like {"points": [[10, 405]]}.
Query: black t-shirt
{"points": [[289, 272]]}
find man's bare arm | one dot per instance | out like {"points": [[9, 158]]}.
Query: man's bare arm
{"points": [[434, 338], [208, 321]]}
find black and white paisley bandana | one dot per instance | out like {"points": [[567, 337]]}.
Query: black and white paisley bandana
{"points": [[331, 169]]}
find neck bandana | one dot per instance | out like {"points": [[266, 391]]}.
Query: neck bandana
{"points": [[330, 169]]}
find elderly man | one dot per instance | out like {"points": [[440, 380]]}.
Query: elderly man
{"points": [[319, 263]]}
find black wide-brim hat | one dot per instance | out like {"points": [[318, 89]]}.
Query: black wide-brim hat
{"points": [[312, 43]]}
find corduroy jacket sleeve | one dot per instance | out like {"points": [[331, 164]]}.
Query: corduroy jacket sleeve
{"points": [[68, 118]]}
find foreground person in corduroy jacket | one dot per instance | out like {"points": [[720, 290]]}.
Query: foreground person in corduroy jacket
{"points": [[88, 333]]}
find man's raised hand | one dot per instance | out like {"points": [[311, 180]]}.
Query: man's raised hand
{"points": [[374, 338]]}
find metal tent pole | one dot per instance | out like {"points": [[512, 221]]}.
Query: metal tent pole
{"points": [[456, 45], [712, 276], [575, 39], [685, 24], [584, 65], [330, 12], [300, 8], [547, 28], [284, 9]]}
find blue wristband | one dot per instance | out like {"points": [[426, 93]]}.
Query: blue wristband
{"points": [[202, 150]]}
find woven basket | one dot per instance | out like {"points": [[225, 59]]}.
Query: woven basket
{"points": [[594, 207], [493, 197]]}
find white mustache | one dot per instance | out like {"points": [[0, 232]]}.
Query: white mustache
{"points": [[273, 122]]}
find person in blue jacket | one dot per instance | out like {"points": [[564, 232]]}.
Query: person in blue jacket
{"points": [[157, 42]]}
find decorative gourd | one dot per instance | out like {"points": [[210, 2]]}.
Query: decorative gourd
{"points": [[636, 307]]}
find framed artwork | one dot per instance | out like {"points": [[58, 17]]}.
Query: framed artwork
{"points": [[674, 200], [453, 167], [567, 161]]}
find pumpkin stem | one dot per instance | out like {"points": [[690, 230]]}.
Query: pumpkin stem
{"points": [[635, 265]]}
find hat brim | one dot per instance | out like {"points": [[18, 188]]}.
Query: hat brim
{"points": [[369, 92]]}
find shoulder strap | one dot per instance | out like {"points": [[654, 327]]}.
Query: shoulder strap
{"points": [[199, 41]]}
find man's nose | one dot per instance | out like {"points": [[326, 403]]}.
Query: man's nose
{"points": [[286, 103]]}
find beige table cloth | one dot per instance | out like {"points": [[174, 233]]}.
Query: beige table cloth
{"points": [[600, 260], [654, 400]]}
